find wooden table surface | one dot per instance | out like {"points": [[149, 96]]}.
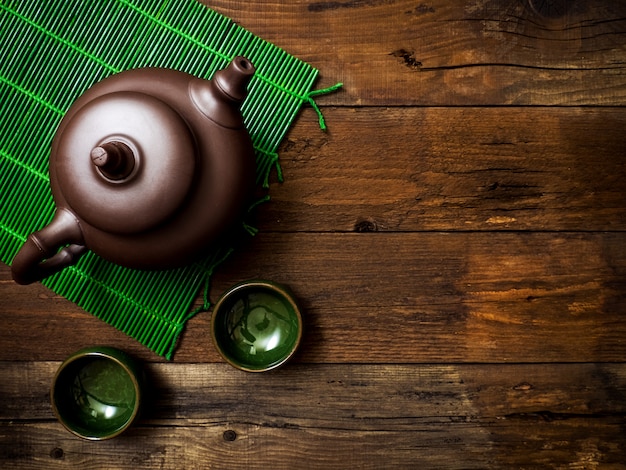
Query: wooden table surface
{"points": [[457, 239]]}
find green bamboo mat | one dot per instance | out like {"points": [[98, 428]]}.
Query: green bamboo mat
{"points": [[50, 53]]}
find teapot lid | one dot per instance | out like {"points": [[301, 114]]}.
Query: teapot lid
{"points": [[124, 162]]}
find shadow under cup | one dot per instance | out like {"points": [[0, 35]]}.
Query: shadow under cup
{"points": [[96, 393]]}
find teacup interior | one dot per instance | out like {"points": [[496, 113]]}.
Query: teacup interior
{"points": [[95, 396], [257, 328]]}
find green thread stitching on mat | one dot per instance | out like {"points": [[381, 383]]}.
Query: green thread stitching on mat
{"points": [[121, 295], [174, 30], [14, 234], [30, 169], [59, 38], [272, 156], [308, 98], [176, 326], [272, 161], [249, 228], [159, 337], [311, 101], [31, 95], [206, 303]]}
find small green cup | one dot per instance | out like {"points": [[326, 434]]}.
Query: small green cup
{"points": [[96, 392], [256, 325]]}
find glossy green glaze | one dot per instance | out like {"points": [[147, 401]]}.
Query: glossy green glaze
{"points": [[96, 393], [256, 326]]}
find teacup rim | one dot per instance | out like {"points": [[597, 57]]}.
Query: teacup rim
{"points": [[276, 288], [109, 353]]}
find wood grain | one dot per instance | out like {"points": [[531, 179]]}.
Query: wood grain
{"points": [[395, 298], [445, 416], [451, 52], [408, 169], [457, 239]]}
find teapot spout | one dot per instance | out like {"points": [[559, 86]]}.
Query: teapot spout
{"points": [[219, 99], [40, 256], [234, 79]]}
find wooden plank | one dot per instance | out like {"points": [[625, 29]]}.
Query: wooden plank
{"points": [[407, 169], [444, 52], [457, 297], [392, 298], [343, 416], [453, 169], [462, 269]]}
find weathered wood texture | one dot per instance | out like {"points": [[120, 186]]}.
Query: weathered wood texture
{"points": [[452, 52], [457, 239], [200, 416], [496, 168], [396, 298]]}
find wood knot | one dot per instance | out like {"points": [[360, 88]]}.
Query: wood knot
{"points": [[365, 225], [229, 435], [407, 58], [57, 453]]}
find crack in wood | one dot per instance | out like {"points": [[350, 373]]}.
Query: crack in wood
{"points": [[519, 66], [318, 7], [550, 416], [409, 60]]}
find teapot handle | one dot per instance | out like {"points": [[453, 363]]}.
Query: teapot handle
{"points": [[40, 256]]}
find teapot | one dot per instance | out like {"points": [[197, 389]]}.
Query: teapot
{"points": [[148, 168]]}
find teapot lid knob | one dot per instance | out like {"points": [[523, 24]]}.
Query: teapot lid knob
{"points": [[115, 160], [124, 162]]}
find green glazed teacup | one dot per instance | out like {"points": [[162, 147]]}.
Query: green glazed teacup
{"points": [[256, 325], [96, 392]]}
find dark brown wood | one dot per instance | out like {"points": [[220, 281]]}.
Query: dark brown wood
{"points": [[445, 416], [407, 169], [397, 298], [457, 239], [451, 52]]}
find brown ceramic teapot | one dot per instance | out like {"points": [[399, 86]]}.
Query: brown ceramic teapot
{"points": [[147, 169]]}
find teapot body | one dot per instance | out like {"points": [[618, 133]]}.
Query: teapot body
{"points": [[148, 169]]}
